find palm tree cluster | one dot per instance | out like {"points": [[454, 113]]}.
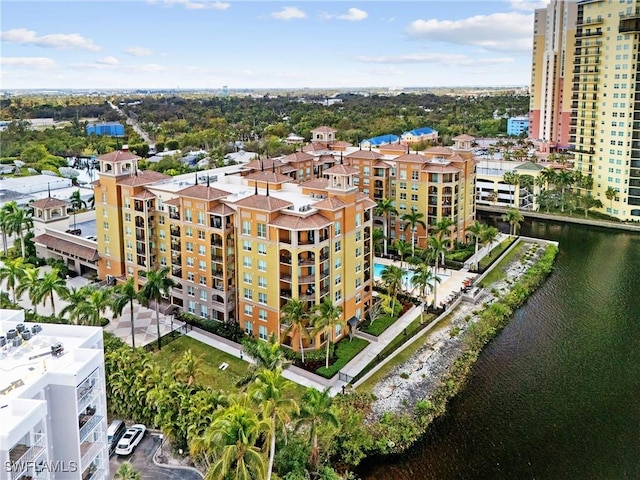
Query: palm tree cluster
{"points": [[14, 220], [234, 436], [323, 319], [568, 190]]}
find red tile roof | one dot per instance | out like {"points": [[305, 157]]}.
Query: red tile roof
{"points": [[262, 202], [439, 150], [143, 195], [49, 202], [316, 183], [296, 157], [268, 176], [295, 222], [330, 203], [119, 156], [441, 168], [175, 202], [202, 192], [411, 158], [324, 129], [366, 200], [341, 170], [67, 247], [222, 209], [464, 136], [315, 147], [266, 163], [144, 177], [364, 154]]}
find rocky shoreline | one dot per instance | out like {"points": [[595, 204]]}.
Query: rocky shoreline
{"points": [[419, 377]]}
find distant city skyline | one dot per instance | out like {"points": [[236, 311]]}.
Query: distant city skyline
{"points": [[202, 44]]}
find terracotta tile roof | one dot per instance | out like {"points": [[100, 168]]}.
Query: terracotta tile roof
{"points": [[441, 168], [411, 158], [143, 195], [365, 154], [438, 151], [287, 169], [49, 202], [330, 203], [296, 157], [366, 200], [268, 176], [341, 170], [144, 177], [295, 222], [341, 143], [464, 136], [394, 147], [266, 163], [119, 156], [326, 159], [202, 192], [381, 164], [316, 183], [95, 183], [262, 202], [68, 247], [315, 147], [324, 129], [222, 209], [175, 202]]}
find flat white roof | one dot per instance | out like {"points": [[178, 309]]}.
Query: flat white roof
{"points": [[24, 365]]}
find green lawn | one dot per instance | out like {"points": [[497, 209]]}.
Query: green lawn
{"points": [[498, 272], [495, 252], [346, 349], [211, 359], [211, 375], [379, 325]]}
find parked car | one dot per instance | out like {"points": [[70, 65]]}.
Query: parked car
{"points": [[130, 439], [114, 434]]}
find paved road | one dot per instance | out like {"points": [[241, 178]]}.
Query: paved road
{"points": [[142, 460]]}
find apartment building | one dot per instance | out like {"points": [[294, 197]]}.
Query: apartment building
{"points": [[551, 73], [605, 124], [53, 408], [439, 183], [241, 240]]}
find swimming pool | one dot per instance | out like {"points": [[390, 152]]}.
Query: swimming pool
{"points": [[406, 278]]}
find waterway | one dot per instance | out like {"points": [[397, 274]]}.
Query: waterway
{"points": [[557, 394]]}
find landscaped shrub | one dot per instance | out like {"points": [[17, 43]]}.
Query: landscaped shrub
{"points": [[345, 350]]}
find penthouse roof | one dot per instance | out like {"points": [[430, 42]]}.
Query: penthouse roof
{"points": [[296, 222], [263, 202], [202, 192], [144, 177], [118, 156], [49, 202]]}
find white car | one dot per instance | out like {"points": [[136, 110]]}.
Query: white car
{"points": [[130, 439]]}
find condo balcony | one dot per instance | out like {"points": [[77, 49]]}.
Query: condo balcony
{"points": [[23, 455]]}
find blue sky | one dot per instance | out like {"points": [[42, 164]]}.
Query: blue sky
{"points": [[264, 44]]}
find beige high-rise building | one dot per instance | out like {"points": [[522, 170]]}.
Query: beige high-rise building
{"points": [[551, 73], [606, 102]]}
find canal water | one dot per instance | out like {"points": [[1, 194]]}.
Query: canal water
{"points": [[557, 394]]}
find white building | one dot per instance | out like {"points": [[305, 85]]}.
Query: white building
{"points": [[53, 406]]}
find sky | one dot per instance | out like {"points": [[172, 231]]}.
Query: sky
{"points": [[208, 44]]}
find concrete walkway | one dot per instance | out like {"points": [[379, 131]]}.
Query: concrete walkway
{"points": [[484, 251]]}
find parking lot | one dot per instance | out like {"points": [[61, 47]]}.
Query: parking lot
{"points": [[142, 460]]}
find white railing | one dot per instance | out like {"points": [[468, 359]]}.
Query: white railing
{"points": [[28, 458], [88, 457], [86, 429]]}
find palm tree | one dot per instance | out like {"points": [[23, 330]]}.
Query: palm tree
{"points": [[267, 355], [76, 304], [188, 368], [295, 316], [590, 202], [438, 247], [326, 317], [158, 285], [12, 271], [424, 278], [18, 219], [318, 412], [475, 230], [514, 217], [76, 204], [4, 227], [493, 197], [489, 236], [511, 179], [564, 179], [30, 282], [412, 220], [232, 439], [403, 248], [51, 283], [127, 472], [378, 239], [124, 295], [611, 194], [96, 305], [392, 276], [268, 392], [385, 207], [443, 226]]}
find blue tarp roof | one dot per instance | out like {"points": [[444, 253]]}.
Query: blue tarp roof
{"points": [[382, 139], [420, 131]]}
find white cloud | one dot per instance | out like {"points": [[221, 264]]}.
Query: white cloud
{"points": [[189, 5], [108, 61], [149, 68], [440, 58], [289, 13], [41, 63], [23, 36], [501, 32], [527, 5], [138, 51], [354, 15]]}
